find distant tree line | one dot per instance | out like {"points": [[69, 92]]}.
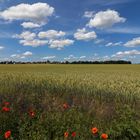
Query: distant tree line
{"points": [[102, 62], [68, 62]]}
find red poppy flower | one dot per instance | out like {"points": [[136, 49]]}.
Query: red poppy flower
{"points": [[65, 106], [104, 136], [32, 113], [6, 103], [73, 134], [7, 134], [6, 109], [94, 130], [66, 134]]}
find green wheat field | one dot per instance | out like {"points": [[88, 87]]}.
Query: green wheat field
{"points": [[46, 102]]}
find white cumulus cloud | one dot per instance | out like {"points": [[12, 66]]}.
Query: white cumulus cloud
{"points": [[105, 19], [30, 25], [28, 38], [33, 43], [52, 38], [133, 43], [37, 12], [21, 56], [82, 34], [28, 53], [126, 53], [51, 34], [60, 44], [25, 35]]}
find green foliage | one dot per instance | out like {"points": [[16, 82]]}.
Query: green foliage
{"points": [[126, 125]]}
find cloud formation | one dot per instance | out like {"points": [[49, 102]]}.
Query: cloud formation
{"points": [[26, 35], [36, 13], [126, 53], [29, 39], [60, 44], [82, 34], [33, 43], [22, 56], [52, 38], [51, 34], [105, 19], [110, 44], [30, 25], [70, 57], [133, 43]]}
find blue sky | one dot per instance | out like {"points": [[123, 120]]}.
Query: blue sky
{"points": [[69, 30]]}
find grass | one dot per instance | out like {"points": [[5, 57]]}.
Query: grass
{"points": [[102, 96]]}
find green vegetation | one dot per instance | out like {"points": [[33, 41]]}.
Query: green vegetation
{"points": [[102, 96]]}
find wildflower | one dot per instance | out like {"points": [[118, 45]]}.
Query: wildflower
{"points": [[94, 130], [6, 109], [73, 134], [6, 103], [7, 134], [32, 113], [65, 106], [66, 134], [104, 136]]}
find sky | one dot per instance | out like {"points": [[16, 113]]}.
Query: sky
{"points": [[62, 30]]}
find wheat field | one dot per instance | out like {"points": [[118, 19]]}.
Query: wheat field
{"points": [[46, 101]]}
